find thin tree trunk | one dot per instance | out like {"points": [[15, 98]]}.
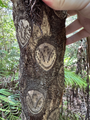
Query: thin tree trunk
{"points": [[88, 79], [88, 51], [41, 36]]}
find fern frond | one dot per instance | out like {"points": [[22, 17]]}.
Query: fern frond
{"points": [[6, 99], [5, 92], [73, 79], [10, 104]]}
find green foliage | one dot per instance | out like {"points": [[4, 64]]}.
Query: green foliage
{"points": [[2, 4], [11, 106], [73, 79], [70, 58], [9, 61], [5, 4], [9, 50], [70, 62]]}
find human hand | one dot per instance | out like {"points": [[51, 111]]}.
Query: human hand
{"points": [[82, 9]]}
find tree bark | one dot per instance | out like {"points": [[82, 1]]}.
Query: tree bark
{"points": [[88, 79], [88, 51], [41, 37]]}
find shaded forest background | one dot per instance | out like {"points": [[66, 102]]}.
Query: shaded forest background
{"points": [[75, 105]]}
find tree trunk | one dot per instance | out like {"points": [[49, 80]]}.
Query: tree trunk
{"points": [[88, 51], [88, 79], [41, 37]]}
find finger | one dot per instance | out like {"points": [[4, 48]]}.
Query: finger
{"points": [[66, 4], [78, 36], [71, 12], [85, 22], [86, 11], [73, 27]]}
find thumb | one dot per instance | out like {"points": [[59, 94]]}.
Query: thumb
{"points": [[66, 4]]}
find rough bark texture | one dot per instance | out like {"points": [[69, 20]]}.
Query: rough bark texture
{"points": [[41, 37], [88, 78], [88, 51]]}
